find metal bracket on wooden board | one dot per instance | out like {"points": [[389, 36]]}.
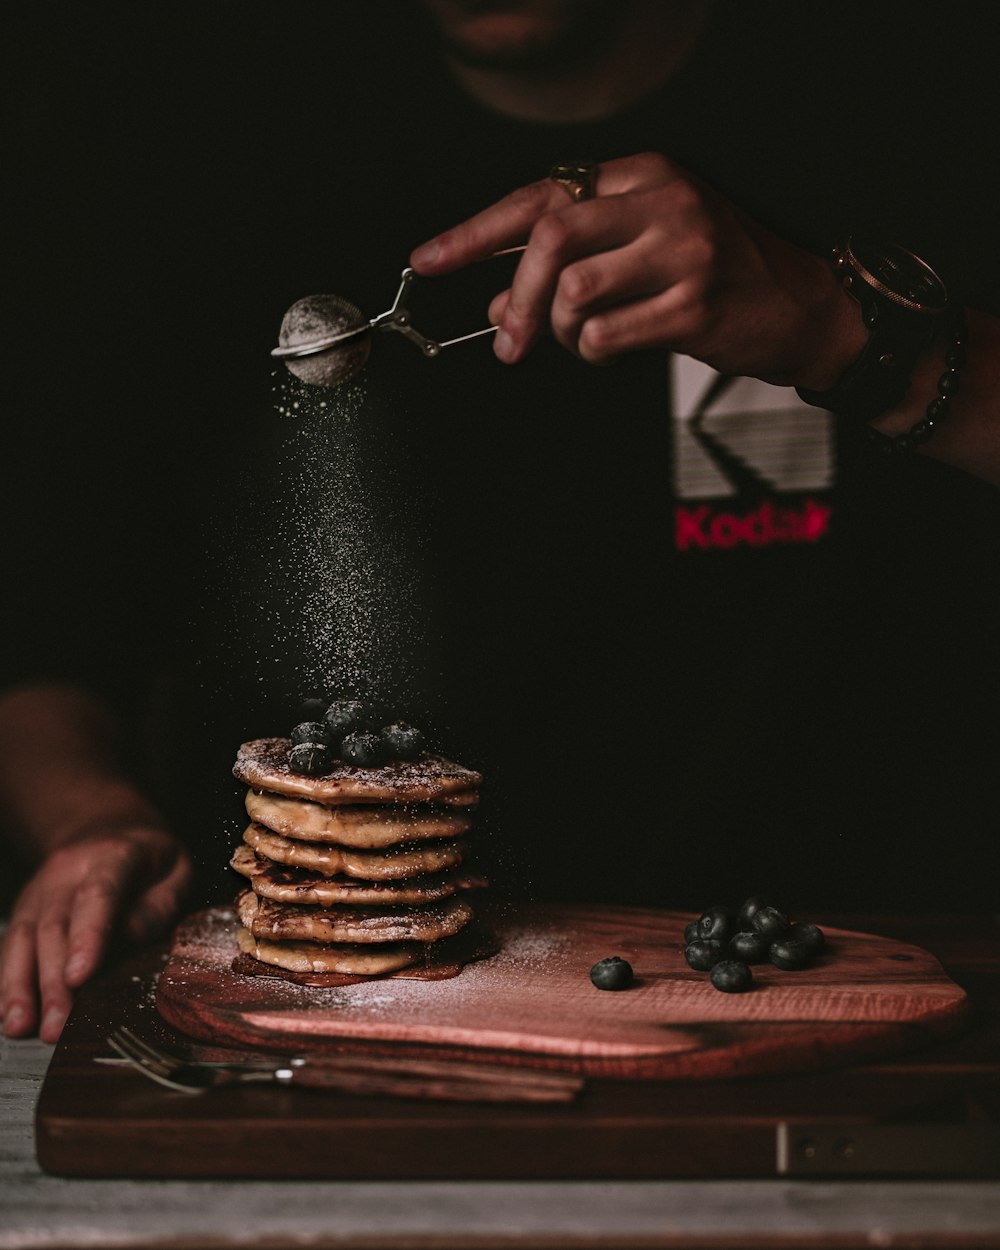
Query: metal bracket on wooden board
{"points": [[952, 1150]]}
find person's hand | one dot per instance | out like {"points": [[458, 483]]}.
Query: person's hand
{"points": [[131, 880], [656, 259]]}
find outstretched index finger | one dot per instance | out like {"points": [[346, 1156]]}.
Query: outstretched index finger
{"points": [[504, 224]]}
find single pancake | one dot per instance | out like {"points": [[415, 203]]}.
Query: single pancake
{"points": [[263, 765], [332, 861], [364, 827], [284, 922], [354, 960], [296, 885]]}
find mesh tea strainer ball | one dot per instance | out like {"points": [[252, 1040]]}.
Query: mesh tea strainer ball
{"points": [[325, 339]]}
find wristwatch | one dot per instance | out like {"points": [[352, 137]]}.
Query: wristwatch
{"points": [[904, 305]]}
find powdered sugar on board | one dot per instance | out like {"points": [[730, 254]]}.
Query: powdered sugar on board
{"points": [[533, 1000]]}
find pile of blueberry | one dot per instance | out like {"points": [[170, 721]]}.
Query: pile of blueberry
{"points": [[724, 942], [354, 732]]}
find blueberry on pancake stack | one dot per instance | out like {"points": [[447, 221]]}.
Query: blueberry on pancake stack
{"points": [[355, 847]]}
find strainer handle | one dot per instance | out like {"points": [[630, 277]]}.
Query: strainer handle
{"points": [[398, 316]]}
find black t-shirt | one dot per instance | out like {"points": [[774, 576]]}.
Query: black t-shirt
{"points": [[694, 659]]}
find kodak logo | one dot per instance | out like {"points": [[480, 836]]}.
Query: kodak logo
{"points": [[706, 528]]}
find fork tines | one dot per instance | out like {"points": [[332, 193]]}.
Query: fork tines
{"points": [[156, 1064]]}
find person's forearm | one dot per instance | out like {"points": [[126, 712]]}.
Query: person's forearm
{"points": [[651, 257], [60, 775], [969, 438]]}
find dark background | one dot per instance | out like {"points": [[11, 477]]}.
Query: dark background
{"points": [[181, 173]]}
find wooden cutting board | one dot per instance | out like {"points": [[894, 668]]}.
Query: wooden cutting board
{"points": [[532, 1003], [102, 1120]]}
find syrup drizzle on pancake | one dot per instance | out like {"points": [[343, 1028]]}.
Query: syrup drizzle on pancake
{"points": [[298, 885]]}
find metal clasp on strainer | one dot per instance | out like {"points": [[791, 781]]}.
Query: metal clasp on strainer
{"points": [[325, 340]]}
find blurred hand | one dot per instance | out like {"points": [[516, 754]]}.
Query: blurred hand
{"points": [[130, 880], [657, 259]]}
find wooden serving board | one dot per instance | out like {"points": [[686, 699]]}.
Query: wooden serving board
{"points": [[533, 1004], [101, 1120]]}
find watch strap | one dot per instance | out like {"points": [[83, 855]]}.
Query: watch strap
{"points": [[880, 376]]}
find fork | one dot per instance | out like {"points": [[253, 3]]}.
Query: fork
{"points": [[454, 1080]]}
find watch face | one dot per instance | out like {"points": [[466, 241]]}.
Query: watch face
{"points": [[898, 275]]}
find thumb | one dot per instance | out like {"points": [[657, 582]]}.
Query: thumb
{"points": [[158, 906], [497, 308]]}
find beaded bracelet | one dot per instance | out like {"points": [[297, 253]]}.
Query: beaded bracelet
{"points": [[937, 410]]}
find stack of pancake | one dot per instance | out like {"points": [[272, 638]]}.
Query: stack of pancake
{"points": [[356, 871]]}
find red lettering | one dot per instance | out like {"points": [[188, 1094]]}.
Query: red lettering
{"points": [[816, 520], [688, 528], [759, 526], [725, 530], [765, 526]]}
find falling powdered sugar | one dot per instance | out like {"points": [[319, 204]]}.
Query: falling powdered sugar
{"points": [[350, 533], [324, 561]]}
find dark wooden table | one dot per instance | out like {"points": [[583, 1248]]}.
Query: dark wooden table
{"points": [[897, 1153]]}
